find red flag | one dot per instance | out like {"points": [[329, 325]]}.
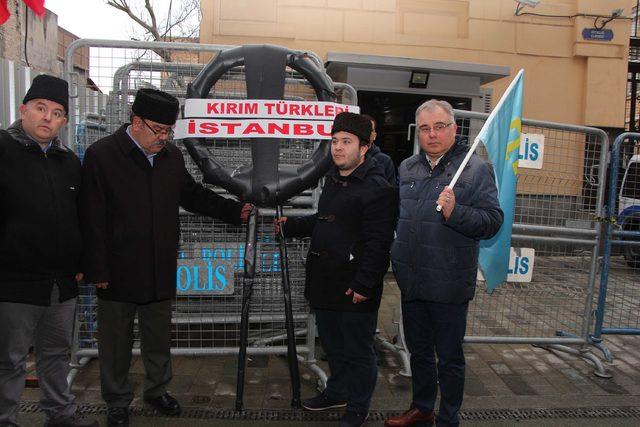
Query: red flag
{"points": [[4, 12], [37, 6]]}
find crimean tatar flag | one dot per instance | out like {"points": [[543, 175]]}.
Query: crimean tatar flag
{"points": [[501, 137]]}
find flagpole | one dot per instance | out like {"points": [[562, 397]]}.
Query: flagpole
{"points": [[477, 140]]}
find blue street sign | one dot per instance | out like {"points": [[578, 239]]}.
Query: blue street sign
{"points": [[604, 35]]}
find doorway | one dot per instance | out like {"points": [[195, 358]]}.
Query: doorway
{"points": [[394, 112]]}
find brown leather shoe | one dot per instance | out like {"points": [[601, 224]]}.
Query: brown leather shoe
{"points": [[413, 417]]}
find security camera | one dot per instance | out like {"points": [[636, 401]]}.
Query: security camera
{"points": [[617, 13], [531, 3]]}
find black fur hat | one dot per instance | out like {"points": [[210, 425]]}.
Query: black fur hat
{"points": [[49, 87], [156, 105], [353, 123]]}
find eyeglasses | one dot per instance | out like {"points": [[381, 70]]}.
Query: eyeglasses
{"points": [[437, 128], [159, 132]]}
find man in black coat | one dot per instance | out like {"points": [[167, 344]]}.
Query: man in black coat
{"points": [[40, 247], [348, 257], [435, 260], [380, 157], [134, 184]]}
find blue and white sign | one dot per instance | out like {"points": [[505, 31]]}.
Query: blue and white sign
{"points": [[531, 151], [520, 265], [205, 277], [212, 269], [605, 35]]}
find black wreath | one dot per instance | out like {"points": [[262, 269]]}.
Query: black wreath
{"points": [[264, 182]]}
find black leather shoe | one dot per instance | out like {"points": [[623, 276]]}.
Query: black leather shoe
{"points": [[322, 402], [165, 404], [117, 416]]}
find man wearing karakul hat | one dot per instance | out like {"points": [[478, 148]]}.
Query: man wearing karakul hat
{"points": [[347, 260], [40, 246], [135, 183]]}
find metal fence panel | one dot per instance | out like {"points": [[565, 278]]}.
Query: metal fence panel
{"points": [[201, 324], [619, 298], [556, 214]]}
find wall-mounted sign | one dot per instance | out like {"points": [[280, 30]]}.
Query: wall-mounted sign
{"points": [[531, 150], [604, 35]]}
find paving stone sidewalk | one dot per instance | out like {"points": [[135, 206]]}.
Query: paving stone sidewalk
{"points": [[499, 377]]}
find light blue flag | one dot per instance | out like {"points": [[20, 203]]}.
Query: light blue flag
{"points": [[501, 137]]}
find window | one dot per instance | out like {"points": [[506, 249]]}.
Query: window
{"points": [[631, 184]]}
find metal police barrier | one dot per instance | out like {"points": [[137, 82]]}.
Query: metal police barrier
{"points": [[207, 310], [619, 297], [548, 297]]}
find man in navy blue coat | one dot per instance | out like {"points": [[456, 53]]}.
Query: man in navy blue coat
{"points": [[435, 259]]}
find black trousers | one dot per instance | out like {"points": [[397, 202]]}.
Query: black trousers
{"points": [[347, 338], [434, 329], [115, 334]]}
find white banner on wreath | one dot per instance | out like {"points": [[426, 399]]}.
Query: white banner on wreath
{"points": [[264, 108], [252, 128]]}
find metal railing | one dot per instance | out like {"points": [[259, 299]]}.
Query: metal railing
{"points": [[557, 214], [202, 324], [619, 296]]}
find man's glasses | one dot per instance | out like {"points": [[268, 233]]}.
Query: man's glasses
{"points": [[437, 128], [159, 132]]}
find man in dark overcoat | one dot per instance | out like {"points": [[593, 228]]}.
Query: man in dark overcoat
{"points": [[348, 256], [40, 246], [135, 183]]}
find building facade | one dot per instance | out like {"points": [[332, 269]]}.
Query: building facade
{"points": [[31, 45], [569, 78]]}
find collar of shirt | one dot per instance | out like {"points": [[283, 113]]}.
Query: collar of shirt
{"points": [[433, 163], [45, 149], [148, 156]]}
